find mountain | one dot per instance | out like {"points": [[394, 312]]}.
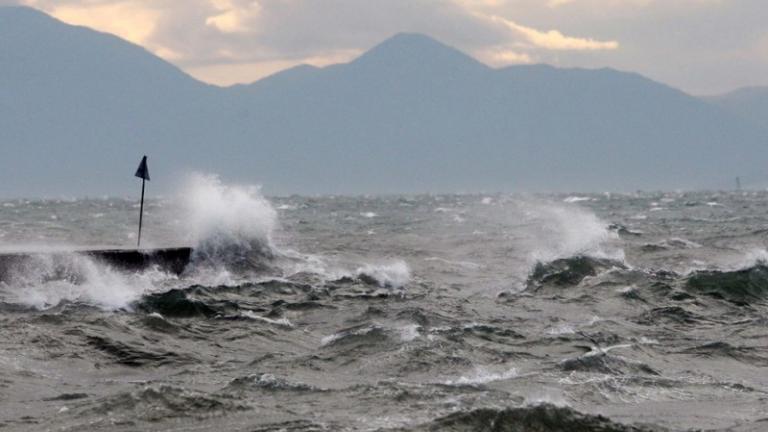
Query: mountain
{"points": [[78, 104], [750, 103], [410, 115]]}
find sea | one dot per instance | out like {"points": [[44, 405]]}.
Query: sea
{"points": [[644, 311]]}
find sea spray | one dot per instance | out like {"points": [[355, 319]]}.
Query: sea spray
{"points": [[46, 280], [230, 225], [566, 230], [395, 274], [230, 228]]}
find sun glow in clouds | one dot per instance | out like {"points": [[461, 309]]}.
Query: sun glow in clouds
{"points": [[233, 17], [128, 20], [553, 39]]}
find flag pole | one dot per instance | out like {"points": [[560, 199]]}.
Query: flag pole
{"points": [[141, 211], [143, 173]]}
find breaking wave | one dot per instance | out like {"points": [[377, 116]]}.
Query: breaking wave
{"points": [[396, 274], [741, 287], [561, 231], [569, 271], [230, 226], [46, 280]]}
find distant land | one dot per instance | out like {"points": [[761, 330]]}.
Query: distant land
{"points": [[750, 103], [79, 108]]}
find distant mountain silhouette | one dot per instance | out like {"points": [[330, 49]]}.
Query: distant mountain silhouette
{"points": [[750, 103], [410, 115]]}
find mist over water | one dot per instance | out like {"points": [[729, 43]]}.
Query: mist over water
{"points": [[447, 312]]}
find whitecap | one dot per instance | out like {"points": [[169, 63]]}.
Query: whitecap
{"points": [[483, 376], [395, 274], [282, 322]]}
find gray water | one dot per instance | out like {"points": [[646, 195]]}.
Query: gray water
{"points": [[463, 312]]}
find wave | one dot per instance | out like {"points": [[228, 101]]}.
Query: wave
{"points": [[543, 417], [741, 287], [175, 303], [569, 271], [673, 243], [561, 231], [269, 382], [45, 280], [723, 349], [133, 355], [231, 229], [159, 403], [669, 314], [231, 226], [362, 335], [482, 376], [603, 362], [396, 274]]}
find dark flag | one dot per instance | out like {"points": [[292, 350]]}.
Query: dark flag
{"points": [[143, 171]]}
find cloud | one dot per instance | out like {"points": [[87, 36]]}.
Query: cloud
{"points": [[226, 41], [553, 39], [233, 17], [129, 20], [197, 33], [558, 3], [503, 57]]}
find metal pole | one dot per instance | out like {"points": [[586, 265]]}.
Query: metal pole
{"points": [[141, 211]]}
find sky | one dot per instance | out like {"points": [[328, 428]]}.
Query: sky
{"points": [[703, 47]]}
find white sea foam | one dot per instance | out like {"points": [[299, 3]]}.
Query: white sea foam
{"points": [[575, 199], [226, 222], [282, 322], [409, 332], [483, 376], [223, 222], [562, 329], [558, 231], [46, 280], [749, 258], [327, 340], [746, 259], [550, 398], [395, 274]]}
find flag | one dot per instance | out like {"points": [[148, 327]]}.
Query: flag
{"points": [[143, 170]]}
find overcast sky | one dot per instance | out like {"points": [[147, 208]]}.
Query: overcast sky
{"points": [[700, 46]]}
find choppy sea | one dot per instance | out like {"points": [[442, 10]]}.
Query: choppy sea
{"points": [[590, 312]]}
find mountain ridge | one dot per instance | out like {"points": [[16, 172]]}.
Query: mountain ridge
{"points": [[410, 115], [750, 103]]}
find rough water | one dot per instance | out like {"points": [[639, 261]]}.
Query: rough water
{"points": [[599, 312]]}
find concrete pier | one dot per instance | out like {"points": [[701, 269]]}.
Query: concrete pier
{"points": [[172, 260]]}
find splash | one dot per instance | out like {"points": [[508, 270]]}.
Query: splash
{"points": [[46, 280], [484, 376], [564, 231], [230, 226], [396, 274], [231, 230]]}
